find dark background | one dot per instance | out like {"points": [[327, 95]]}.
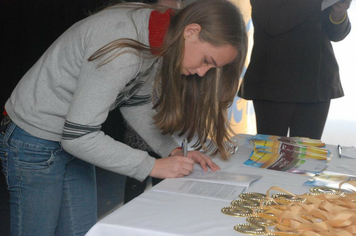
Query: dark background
{"points": [[27, 29]]}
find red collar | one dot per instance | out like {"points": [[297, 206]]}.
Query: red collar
{"points": [[157, 28]]}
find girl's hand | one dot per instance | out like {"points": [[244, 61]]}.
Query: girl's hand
{"points": [[172, 167], [203, 160], [177, 165], [198, 158]]}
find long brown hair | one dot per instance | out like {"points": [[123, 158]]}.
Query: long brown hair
{"points": [[194, 105], [197, 105]]}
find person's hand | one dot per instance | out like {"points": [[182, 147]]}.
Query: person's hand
{"points": [[203, 160], [172, 167], [199, 158], [338, 10], [177, 165]]}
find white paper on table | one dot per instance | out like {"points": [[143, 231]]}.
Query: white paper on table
{"points": [[223, 177], [313, 166], [212, 184], [328, 3], [348, 152]]}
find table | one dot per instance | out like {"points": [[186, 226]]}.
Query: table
{"points": [[168, 214]]}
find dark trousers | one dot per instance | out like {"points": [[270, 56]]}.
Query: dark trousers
{"points": [[301, 119]]}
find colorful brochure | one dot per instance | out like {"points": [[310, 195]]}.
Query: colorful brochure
{"points": [[283, 162], [291, 154]]}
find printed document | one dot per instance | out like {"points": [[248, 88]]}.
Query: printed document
{"points": [[217, 185]]}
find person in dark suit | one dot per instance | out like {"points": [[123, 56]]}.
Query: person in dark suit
{"points": [[293, 73]]}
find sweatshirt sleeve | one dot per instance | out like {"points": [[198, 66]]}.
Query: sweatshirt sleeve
{"points": [[99, 89], [96, 91]]}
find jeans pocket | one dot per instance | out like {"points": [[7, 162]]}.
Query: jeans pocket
{"points": [[33, 159]]}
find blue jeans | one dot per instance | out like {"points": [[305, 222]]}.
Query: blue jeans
{"points": [[51, 191]]}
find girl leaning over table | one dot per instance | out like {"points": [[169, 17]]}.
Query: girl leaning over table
{"points": [[116, 58]]}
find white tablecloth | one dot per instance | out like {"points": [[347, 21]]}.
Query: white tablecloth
{"points": [[161, 213]]}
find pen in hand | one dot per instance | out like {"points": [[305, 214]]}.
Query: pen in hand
{"points": [[185, 147]]}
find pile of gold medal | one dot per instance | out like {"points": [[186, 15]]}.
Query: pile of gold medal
{"points": [[323, 211]]}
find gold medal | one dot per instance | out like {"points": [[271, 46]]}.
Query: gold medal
{"points": [[262, 220], [282, 201], [250, 229], [269, 202], [288, 197], [245, 203], [262, 211], [237, 211], [252, 196], [324, 190], [276, 201]]}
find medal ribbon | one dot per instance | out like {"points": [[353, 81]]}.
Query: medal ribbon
{"points": [[318, 215]]}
